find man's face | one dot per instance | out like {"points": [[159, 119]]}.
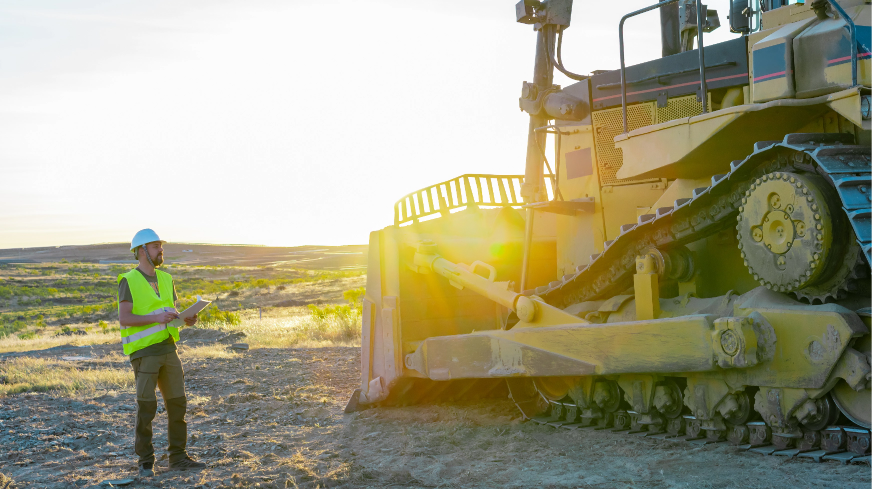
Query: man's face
{"points": [[155, 250]]}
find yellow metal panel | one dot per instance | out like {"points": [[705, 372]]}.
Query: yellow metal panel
{"points": [[809, 342], [676, 140], [845, 117], [705, 144], [773, 89], [681, 188], [775, 48], [771, 21], [732, 97], [841, 74], [849, 108], [789, 344], [823, 55], [380, 334], [371, 304], [788, 14], [543, 256], [719, 268], [577, 178], [621, 202], [831, 122], [664, 345], [646, 287], [581, 235], [578, 237], [814, 125]]}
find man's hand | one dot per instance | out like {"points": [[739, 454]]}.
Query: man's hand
{"points": [[191, 320], [166, 316]]}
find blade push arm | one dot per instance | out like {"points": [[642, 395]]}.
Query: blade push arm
{"points": [[531, 311]]}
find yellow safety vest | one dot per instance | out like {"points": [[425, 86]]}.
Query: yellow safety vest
{"points": [[146, 302]]}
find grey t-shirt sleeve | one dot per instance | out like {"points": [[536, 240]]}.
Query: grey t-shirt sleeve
{"points": [[124, 291]]}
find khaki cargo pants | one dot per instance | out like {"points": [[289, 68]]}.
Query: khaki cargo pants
{"points": [[164, 372]]}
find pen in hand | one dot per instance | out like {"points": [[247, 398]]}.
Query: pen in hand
{"points": [[166, 316]]}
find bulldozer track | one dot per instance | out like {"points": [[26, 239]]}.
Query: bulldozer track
{"points": [[711, 209], [845, 444], [714, 208]]}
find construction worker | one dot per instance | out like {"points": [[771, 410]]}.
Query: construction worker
{"points": [[146, 304]]}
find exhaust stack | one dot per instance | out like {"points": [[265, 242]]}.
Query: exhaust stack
{"points": [[670, 30]]}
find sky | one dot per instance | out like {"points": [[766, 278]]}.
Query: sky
{"points": [[268, 122]]}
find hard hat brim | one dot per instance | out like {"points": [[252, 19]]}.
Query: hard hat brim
{"points": [[143, 244], [144, 236]]}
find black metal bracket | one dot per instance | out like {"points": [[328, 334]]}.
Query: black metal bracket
{"points": [[548, 12], [666, 75]]}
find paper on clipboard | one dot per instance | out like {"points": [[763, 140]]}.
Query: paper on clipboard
{"points": [[189, 312]]}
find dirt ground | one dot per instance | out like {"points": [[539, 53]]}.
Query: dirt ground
{"points": [[274, 418]]}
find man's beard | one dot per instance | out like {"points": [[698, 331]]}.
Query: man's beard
{"points": [[158, 260]]}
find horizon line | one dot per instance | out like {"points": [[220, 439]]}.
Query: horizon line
{"points": [[175, 243]]}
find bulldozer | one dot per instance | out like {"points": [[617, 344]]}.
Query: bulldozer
{"points": [[694, 265]]}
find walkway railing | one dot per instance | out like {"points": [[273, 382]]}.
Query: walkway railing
{"points": [[473, 190]]}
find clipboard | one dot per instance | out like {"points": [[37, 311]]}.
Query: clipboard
{"points": [[189, 312]]}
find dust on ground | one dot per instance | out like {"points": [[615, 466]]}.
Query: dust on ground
{"points": [[274, 418]]}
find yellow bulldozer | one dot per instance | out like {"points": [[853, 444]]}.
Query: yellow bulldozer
{"points": [[695, 265]]}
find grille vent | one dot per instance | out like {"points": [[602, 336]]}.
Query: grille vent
{"points": [[608, 124], [679, 107]]}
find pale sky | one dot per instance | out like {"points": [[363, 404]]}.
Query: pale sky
{"points": [[266, 122]]}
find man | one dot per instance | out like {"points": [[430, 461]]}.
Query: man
{"points": [[146, 304]]}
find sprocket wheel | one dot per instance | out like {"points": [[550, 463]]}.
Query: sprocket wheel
{"points": [[850, 267], [792, 236]]}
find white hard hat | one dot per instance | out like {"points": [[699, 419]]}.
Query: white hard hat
{"points": [[142, 237]]}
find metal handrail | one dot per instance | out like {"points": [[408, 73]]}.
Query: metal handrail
{"points": [[852, 29], [703, 89], [471, 190], [699, 28]]}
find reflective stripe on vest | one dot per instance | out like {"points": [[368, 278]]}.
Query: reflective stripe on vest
{"points": [[146, 332], [145, 302]]}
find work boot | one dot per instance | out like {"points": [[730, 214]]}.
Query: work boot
{"points": [[146, 470], [187, 463]]}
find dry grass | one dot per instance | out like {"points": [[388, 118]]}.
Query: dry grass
{"points": [[27, 374], [290, 327], [13, 343], [301, 330], [110, 372], [207, 352], [195, 400], [282, 328]]}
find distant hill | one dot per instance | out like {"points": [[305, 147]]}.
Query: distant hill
{"points": [[309, 257]]}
